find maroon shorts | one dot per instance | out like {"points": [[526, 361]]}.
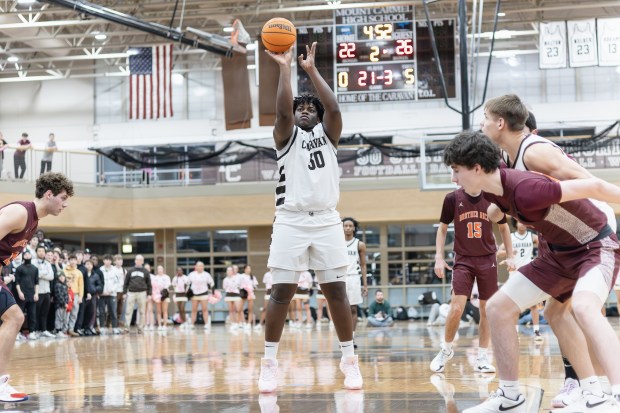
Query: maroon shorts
{"points": [[468, 269], [557, 272]]}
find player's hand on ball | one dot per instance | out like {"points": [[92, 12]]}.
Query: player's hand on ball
{"points": [[308, 62], [282, 59]]}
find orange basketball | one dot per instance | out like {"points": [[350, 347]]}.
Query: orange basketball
{"points": [[278, 35]]}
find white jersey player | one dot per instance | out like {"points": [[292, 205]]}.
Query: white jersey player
{"points": [[357, 286], [307, 232]]}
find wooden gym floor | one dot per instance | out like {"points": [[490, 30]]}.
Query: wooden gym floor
{"points": [[196, 371]]}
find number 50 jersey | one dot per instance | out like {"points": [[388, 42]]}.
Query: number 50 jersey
{"points": [[309, 172]]}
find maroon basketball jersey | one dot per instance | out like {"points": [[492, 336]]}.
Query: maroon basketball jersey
{"points": [[473, 231], [533, 198], [13, 244]]}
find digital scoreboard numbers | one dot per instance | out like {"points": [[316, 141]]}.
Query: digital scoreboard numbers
{"points": [[375, 54]]}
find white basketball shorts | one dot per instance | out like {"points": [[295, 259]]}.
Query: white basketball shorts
{"points": [[307, 241], [354, 289]]}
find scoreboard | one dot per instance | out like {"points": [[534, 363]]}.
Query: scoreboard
{"points": [[375, 59], [374, 56]]}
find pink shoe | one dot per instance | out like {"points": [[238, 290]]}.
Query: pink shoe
{"points": [[268, 379]]}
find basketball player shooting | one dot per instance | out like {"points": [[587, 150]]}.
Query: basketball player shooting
{"points": [[307, 232], [18, 223]]}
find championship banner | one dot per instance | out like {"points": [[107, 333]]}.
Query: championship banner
{"points": [[552, 45], [608, 42], [582, 50]]}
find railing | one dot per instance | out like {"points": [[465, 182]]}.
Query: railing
{"points": [[80, 166]]}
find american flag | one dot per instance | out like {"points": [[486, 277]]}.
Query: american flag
{"points": [[150, 88]]}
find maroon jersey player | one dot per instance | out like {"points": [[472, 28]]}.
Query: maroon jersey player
{"points": [[474, 261], [582, 246], [18, 223]]}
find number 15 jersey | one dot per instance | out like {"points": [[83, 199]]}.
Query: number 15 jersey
{"points": [[309, 172], [473, 231]]}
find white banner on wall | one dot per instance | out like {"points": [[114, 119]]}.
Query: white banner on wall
{"points": [[582, 49], [552, 45], [608, 42]]}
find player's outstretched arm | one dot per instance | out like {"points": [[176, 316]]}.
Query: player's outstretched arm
{"points": [[285, 119], [332, 119], [549, 160], [590, 188]]}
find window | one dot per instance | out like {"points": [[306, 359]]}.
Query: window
{"points": [[395, 235], [190, 242], [230, 240], [70, 242], [372, 236], [102, 244], [141, 243]]}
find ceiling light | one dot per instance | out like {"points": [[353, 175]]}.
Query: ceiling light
{"points": [[26, 1], [228, 29], [252, 46], [133, 52], [13, 59], [501, 14], [101, 36]]}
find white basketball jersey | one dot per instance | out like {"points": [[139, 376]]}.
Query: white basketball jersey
{"points": [[309, 172], [353, 249], [523, 247], [519, 164], [608, 42]]}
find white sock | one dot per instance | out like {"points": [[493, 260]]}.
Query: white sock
{"points": [[536, 327], [517, 328], [510, 388], [592, 385], [354, 335], [605, 385], [447, 346], [347, 348], [271, 350], [615, 390], [482, 352]]}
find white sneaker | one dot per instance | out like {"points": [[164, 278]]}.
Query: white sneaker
{"points": [[483, 365], [570, 393], [61, 335], [352, 375], [308, 325], [33, 336], [20, 337], [498, 403], [48, 334], [268, 378], [438, 364], [117, 331], [8, 394], [589, 403], [258, 328]]}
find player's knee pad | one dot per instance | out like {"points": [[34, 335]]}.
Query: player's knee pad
{"points": [[331, 275]]}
